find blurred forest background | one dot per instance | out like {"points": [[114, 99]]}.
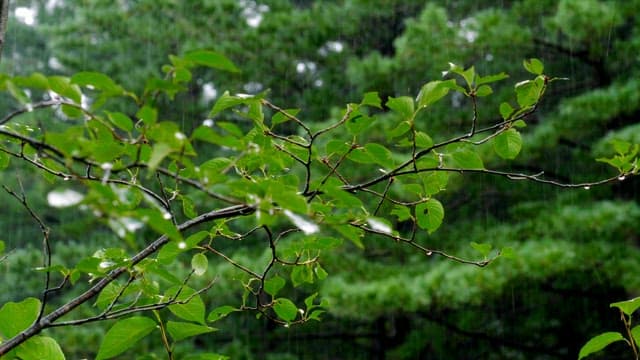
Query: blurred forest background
{"points": [[576, 250]]}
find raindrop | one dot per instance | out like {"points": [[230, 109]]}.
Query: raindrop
{"points": [[131, 224], [209, 92], [166, 216], [429, 253], [107, 171], [378, 225], [208, 122], [180, 136], [306, 226], [107, 166], [621, 177], [182, 245], [66, 178], [106, 264], [587, 187], [26, 15], [29, 107], [64, 198]]}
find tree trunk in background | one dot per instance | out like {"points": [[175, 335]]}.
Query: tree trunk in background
{"points": [[4, 19]]}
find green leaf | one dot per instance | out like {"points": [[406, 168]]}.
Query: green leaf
{"points": [[273, 285], [429, 215], [17, 93], [120, 120], [220, 312], [199, 264], [39, 348], [528, 92], [158, 153], [484, 90], [599, 342], [490, 78], [620, 146], [148, 115], [226, 101], [308, 301], [352, 233], [635, 333], [2, 246], [98, 81], [124, 334], [63, 87], [433, 91], [107, 295], [483, 249], [423, 140], [508, 144], [403, 213], [188, 207], [434, 182], [4, 160], [466, 158], [174, 248], [211, 59], [468, 75], [285, 309], [519, 124], [301, 274], [533, 66], [181, 330], [402, 105], [279, 117], [372, 99], [506, 110], [181, 75], [628, 307], [400, 129], [358, 123], [35, 81], [321, 273], [379, 154], [15, 317], [154, 85], [160, 223], [507, 252], [193, 310]]}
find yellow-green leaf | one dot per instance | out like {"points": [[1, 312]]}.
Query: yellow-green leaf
{"points": [[508, 144], [599, 342], [124, 334]]}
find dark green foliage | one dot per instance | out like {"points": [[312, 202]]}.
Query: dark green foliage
{"points": [[568, 253]]}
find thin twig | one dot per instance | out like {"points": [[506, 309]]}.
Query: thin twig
{"points": [[46, 245]]}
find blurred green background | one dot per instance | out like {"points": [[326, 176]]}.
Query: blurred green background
{"points": [[576, 250]]}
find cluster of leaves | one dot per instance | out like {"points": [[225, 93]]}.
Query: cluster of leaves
{"points": [[264, 181], [632, 338]]}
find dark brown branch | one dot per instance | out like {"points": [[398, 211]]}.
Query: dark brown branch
{"points": [[4, 20], [46, 245], [48, 320], [108, 315], [426, 251], [428, 150], [520, 176]]}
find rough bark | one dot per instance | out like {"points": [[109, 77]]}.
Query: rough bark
{"points": [[4, 19]]}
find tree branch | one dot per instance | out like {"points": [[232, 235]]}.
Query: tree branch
{"points": [[4, 19], [48, 320]]}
